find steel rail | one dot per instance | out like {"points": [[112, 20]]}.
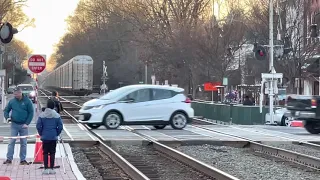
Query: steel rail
{"points": [[298, 158], [186, 159]]}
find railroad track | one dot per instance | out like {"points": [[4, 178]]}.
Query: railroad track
{"points": [[300, 158], [154, 158]]}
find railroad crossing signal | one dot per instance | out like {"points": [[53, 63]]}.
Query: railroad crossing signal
{"points": [[104, 77], [7, 32], [260, 52]]}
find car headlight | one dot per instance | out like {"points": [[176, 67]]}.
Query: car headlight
{"points": [[99, 107], [32, 93]]}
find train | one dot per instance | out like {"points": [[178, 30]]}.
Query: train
{"points": [[74, 76]]}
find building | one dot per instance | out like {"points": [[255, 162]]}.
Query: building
{"points": [[311, 67]]}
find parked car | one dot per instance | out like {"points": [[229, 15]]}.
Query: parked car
{"points": [[10, 89], [28, 90], [279, 117], [139, 105]]}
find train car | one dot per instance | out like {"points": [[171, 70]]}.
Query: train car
{"points": [[75, 76]]}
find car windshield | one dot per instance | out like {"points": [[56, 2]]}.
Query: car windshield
{"points": [[116, 93], [26, 88], [281, 91]]}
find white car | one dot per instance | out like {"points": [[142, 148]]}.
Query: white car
{"points": [[139, 105], [29, 91], [279, 117]]}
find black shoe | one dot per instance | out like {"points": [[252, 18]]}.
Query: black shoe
{"points": [[24, 162], [7, 162]]}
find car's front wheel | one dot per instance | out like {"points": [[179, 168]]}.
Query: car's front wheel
{"points": [[178, 120], [285, 121], [112, 120]]}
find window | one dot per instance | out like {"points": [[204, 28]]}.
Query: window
{"points": [[141, 95], [116, 93], [158, 94], [26, 88]]}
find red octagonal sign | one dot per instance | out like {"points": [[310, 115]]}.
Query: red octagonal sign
{"points": [[37, 63]]}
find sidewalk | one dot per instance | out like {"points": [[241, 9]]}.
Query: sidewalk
{"points": [[33, 172]]}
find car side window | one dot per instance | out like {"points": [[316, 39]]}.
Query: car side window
{"points": [[158, 94], [141, 95]]}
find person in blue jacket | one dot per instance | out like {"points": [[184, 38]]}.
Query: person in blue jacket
{"points": [[49, 126], [22, 112]]}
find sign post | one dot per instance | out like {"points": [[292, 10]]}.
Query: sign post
{"points": [[3, 96], [36, 64]]}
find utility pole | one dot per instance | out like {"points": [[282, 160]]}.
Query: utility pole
{"points": [[14, 67], [271, 68], [2, 77], [271, 78], [2, 51]]}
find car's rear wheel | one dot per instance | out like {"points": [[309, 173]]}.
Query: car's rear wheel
{"points": [[94, 126], [178, 120], [159, 126], [112, 120]]}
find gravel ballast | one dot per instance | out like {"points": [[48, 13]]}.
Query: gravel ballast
{"points": [[89, 171], [163, 167], [244, 164]]}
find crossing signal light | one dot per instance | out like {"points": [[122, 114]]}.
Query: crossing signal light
{"points": [[7, 32], [259, 52]]}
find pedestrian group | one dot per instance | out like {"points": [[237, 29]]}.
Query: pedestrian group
{"points": [[19, 113]]}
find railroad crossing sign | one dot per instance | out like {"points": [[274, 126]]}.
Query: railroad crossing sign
{"points": [[105, 67], [37, 63]]}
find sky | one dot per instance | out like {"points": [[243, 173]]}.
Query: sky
{"points": [[50, 24]]}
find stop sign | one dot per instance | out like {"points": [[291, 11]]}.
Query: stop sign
{"points": [[37, 63]]}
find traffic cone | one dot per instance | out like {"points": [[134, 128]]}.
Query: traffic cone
{"points": [[38, 153], [296, 123]]}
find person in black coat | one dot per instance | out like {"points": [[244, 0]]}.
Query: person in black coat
{"points": [[247, 101], [49, 127], [57, 104]]}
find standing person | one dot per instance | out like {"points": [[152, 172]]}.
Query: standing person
{"points": [[57, 104], [22, 112], [247, 101], [49, 126]]}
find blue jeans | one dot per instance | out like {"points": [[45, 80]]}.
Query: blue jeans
{"points": [[16, 129]]}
